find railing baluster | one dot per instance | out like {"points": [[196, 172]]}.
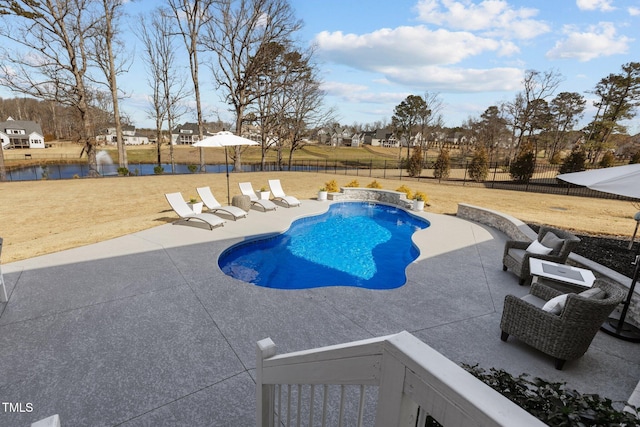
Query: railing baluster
{"points": [[341, 411], [288, 405], [279, 406], [324, 405], [422, 417], [361, 405], [299, 414], [311, 397]]}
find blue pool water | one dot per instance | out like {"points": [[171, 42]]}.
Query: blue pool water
{"points": [[353, 244]]}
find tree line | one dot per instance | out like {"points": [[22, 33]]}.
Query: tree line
{"points": [[536, 120], [71, 53]]}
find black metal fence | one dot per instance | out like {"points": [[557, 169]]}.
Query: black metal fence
{"points": [[543, 180]]}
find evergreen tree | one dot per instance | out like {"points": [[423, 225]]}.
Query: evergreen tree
{"points": [[608, 159], [575, 161], [442, 166], [479, 166], [414, 165], [635, 158], [522, 168]]}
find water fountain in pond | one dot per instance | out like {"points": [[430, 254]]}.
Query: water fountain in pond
{"points": [[104, 163]]}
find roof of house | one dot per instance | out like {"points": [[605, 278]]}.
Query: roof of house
{"points": [[27, 125]]}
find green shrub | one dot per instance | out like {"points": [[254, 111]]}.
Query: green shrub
{"points": [[553, 403], [123, 171], [158, 170], [479, 165], [192, 168], [442, 165], [414, 165], [635, 158], [574, 162], [607, 160], [522, 168]]}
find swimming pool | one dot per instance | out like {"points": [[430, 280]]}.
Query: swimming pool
{"points": [[358, 244]]}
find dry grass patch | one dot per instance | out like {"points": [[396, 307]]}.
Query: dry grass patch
{"points": [[40, 217]]}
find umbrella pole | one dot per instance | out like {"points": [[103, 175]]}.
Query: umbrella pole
{"points": [[618, 327], [226, 162], [634, 235]]}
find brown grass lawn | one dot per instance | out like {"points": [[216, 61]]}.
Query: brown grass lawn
{"points": [[40, 217]]}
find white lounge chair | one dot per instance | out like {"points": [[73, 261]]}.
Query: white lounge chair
{"points": [[213, 205], [247, 189], [279, 194], [185, 212]]}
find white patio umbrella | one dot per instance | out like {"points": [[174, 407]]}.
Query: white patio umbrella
{"points": [[620, 180], [224, 139], [623, 181]]}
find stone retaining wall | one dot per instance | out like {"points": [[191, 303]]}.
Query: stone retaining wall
{"points": [[371, 194]]}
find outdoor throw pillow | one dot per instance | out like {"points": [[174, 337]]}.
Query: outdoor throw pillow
{"points": [[552, 241], [538, 248], [556, 305]]}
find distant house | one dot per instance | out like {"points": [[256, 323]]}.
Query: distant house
{"points": [[129, 135], [341, 138], [384, 138], [21, 134], [187, 134]]}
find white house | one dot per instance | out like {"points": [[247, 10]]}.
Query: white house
{"points": [[21, 134], [129, 136]]}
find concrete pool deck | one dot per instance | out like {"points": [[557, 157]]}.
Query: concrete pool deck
{"points": [[146, 330]]}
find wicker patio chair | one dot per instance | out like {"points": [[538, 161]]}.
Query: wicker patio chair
{"points": [[564, 336], [516, 258]]}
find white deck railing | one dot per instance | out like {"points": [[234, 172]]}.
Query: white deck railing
{"points": [[395, 380]]}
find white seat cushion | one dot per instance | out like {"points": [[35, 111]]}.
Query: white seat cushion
{"points": [[556, 305], [538, 248]]}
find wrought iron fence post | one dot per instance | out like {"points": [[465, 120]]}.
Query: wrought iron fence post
{"points": [[495, 171], [464, 180]]}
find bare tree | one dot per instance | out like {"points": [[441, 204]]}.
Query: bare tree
{"points": [[537, 87], [55, 64], [167, 83], [239, 36], [191, 16], [305, 109], [430, 119], [106, 48]]}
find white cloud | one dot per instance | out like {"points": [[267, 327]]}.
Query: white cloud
{"points": [[634, 11], [361, 94], [405, 46], [447, 79], [491, 17], [599, 40], [601, 5]]}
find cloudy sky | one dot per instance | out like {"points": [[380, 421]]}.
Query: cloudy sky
{"points": [[473, 53], [374, 53]]}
